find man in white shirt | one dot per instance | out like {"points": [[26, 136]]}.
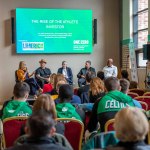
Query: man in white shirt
{"points": [[110, 70]]}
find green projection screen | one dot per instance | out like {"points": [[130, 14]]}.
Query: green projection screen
{"points": [[53, 31]]}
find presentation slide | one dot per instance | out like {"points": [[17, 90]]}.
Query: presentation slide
{"points": [[53, 31]]}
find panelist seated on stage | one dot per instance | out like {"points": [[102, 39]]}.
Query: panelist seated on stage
{"points": [[42, 74], [81, 75], [110, 70], [67, 72]]}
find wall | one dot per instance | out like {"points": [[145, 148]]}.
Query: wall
{"points": [[107, 14]]}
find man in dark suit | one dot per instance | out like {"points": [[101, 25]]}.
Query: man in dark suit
{"points": [[67, 72], [81, 75]]}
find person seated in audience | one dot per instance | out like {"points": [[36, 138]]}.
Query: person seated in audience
{"points": [[65, 109], [96, 89], [124, 84], [67, 72], [83, 92], [18, 106], [24, 75], [58, 77], [40, 128], [110, 70], [112, 102], [74, 100], [125, 75], [82, 74], [131, 126], [133, 85], [47, 88], [100, 74], [42, 73]]}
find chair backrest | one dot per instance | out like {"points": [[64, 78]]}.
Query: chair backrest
{"points": [[11, 129], [146, 94], [54, 96], [140, 92], [73, 131], [133, 95], [144, 105], [145, 99], [75, 90], [109, 125]]}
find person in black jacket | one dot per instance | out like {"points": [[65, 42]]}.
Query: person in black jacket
{"points": [[81, 75], [40, 128]]}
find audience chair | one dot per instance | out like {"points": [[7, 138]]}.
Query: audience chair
{"points": [[73, 131], [11, 129], [145, 99], [144, 105], [133, 95], [75, 90], [109, 125], [140, 92], [146, 94], [54, 97]]}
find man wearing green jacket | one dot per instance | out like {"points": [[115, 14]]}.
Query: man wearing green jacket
{"points": [[112, 102], [18, 106]]}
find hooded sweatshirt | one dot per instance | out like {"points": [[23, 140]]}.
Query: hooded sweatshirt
{"points": [[114, 101], [16, 108]]}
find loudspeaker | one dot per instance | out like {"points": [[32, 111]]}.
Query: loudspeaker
{"points": [[12, 30], [146, 51], [95, 31]]}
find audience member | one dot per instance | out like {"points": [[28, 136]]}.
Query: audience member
{"points": [[110, 70], [65, 109], [131, 128], [100, 74], [40, 129], [18, 106], [83, 92], [24, 76], [125, 88], [67, 72], [125, 74], [96, 89], [82, 74], [42, 74], [133, 85], [112, 102]]}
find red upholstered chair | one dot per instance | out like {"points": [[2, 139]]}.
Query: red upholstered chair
{"points": [[140, 92], [11, 129], [146, 94], [145, 99], [109, 125], [133, 95], [73, 131], [144, 105], [75, 91]]}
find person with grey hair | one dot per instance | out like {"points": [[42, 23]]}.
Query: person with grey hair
{"points": [[67, 72], [110, 70], [82, 74]]}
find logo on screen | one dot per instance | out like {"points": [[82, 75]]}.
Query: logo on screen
{"points": [[33, 45]]}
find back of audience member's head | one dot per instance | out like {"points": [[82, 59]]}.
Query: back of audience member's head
{"points": [[112, 83], [89, 76], [21, 90], [45, 102], [131, 125], [124, 85], [124, 74], [65, 93], [100, 74], [52, 78], [40, 124], [59, 84], [57, 78], [133, 85], [96, 86]]}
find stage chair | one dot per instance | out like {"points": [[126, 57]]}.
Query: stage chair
{"points": [[133, 95], [11, 129], [109, 125], [145, 99], [73, 131], [144, 105], [140, 92], [146, 94]]}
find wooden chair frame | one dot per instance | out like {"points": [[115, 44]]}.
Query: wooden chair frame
{"points": [[108, 123]]}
